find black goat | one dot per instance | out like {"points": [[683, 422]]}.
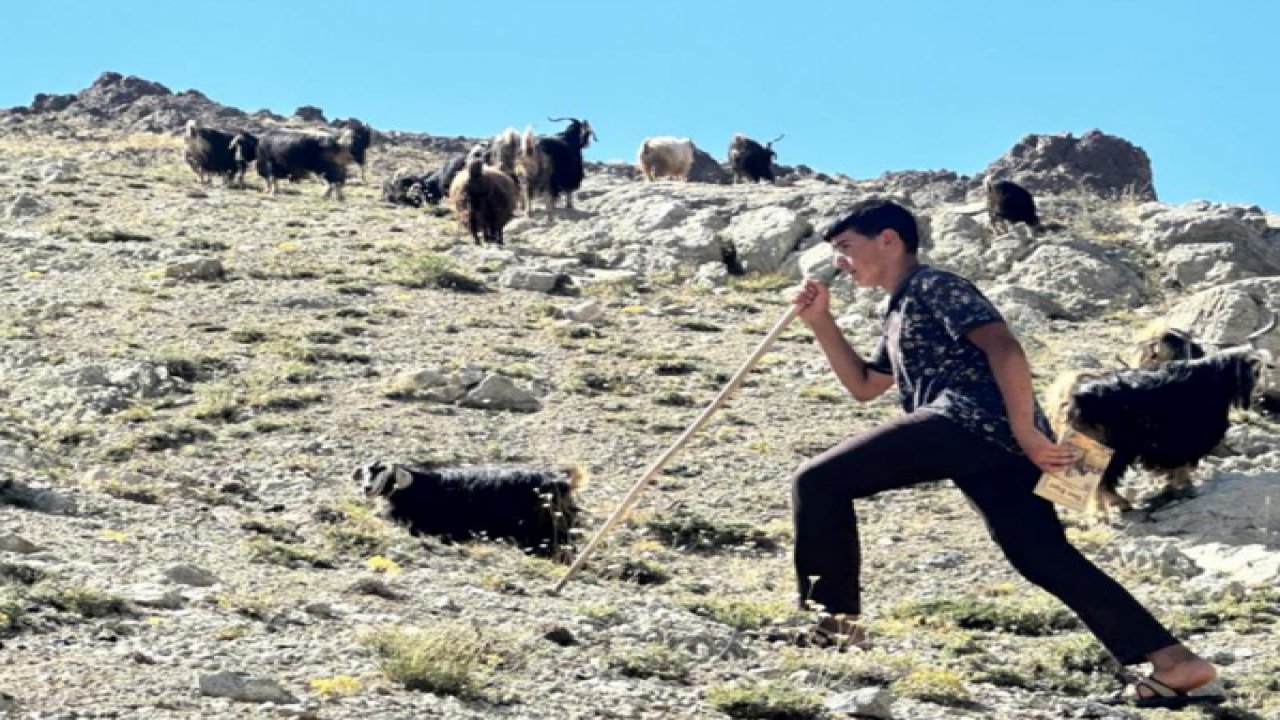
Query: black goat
{"points": [[750, 160], [214, 152], [1165, 418], [1009, 202], [552, 165], [537, 508], [295, 155]]}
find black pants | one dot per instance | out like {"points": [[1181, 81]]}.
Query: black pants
{"points": [[921, 447]]}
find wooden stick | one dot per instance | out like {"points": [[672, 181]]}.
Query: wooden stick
{"points": [[680, 442]]}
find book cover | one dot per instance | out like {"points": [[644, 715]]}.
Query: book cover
{"points": [[1077, 486]]}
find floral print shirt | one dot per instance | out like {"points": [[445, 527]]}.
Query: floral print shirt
{"points": [[936, 368]]}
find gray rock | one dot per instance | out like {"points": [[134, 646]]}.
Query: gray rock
{"points": [[1154, 555], [763, 238], [1102, 164], [534, 280], [243, 687], [204, 269], [61, 171], [191, 575], [496, 392], [711, 275], [27, 206], [155, 596], [15, 544], [1081, 279], [868, 702], [587, 311]]}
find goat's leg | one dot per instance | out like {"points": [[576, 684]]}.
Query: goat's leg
{"points": [[1108, 497]]}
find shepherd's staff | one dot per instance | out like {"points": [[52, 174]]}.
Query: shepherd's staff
{"points": [[825, 275]]}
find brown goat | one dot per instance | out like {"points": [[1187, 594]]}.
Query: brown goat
{"points": [[484, 199]]}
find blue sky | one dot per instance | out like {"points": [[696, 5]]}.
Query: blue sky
{"points": [[858, 87]]}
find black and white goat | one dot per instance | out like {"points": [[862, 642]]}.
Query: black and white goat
{"points": [[552, 165], [536, 507], [1164, 418]]}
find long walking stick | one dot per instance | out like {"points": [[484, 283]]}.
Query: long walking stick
{"points": [[825, 276]]}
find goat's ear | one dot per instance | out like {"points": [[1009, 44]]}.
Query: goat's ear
{"points": [[404, 478]]}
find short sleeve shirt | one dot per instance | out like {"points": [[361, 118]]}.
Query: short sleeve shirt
{"points": [[936, 368]]}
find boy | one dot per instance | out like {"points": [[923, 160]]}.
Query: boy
{"points": [[972, 416]]}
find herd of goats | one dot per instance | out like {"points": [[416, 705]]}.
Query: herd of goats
{"points": [[1166, 412], [487, 186]]}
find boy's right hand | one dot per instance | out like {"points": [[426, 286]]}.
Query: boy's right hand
{"points": [[814, 301]]}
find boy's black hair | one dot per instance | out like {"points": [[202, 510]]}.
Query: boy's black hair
{"points": [[871, 217]]}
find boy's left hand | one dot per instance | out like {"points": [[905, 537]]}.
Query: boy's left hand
{"points": [[1045, 453]]}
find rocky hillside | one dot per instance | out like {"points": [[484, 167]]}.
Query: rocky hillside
{"points": [[189, 376]]}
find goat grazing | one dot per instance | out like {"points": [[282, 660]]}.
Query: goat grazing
{"points": [[535, 507], [1165, 418], [751, 161], [552, 165], [668, 157], [1009, 202], [485, 200]]}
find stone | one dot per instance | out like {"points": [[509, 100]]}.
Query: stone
{"points": [[15, 544], [191, 575], [868, 702], [206, 269], [243, 687], [497, 392]]}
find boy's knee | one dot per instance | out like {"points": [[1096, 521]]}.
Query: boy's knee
{"points": [[809, 481]]}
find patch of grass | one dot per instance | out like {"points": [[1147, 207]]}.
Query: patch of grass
{"points": [[288, 399], [774, 700], [653, 660], [219, 402], [289, 554], [601, 613], [688, 531], [432, 270], [336, 686], [1032, 618], [12, 612], [740, 614], [448, 658], [935, 685], [641, 571], [761, 282], [672, 398], [255, 606], [85, 601], [143, 493]]}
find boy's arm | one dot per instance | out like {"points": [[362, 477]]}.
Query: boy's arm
{"points": [[1013, 374], [855, 374]]}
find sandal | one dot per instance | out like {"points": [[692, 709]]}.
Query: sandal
{"points": [[1160, 695]]}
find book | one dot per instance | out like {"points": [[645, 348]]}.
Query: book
{"points": [[1076, 488]]}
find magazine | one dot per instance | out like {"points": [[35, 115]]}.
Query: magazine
{"points": [[1076, 488]]}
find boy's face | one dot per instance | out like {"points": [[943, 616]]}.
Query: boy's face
{"points": [[865, 258]]}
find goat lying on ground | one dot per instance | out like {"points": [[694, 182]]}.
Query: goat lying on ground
{"points": [[1166, 418], [535, 507]]}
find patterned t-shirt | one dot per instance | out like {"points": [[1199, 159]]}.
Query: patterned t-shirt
{"points": [[935, 366]]}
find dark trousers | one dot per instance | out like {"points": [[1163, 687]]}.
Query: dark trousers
{"points": [[922, 447]]}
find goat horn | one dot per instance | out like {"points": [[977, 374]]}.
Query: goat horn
{"points": [[551, 119], [777, 138], [1123, 363], [1259, 333]]}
